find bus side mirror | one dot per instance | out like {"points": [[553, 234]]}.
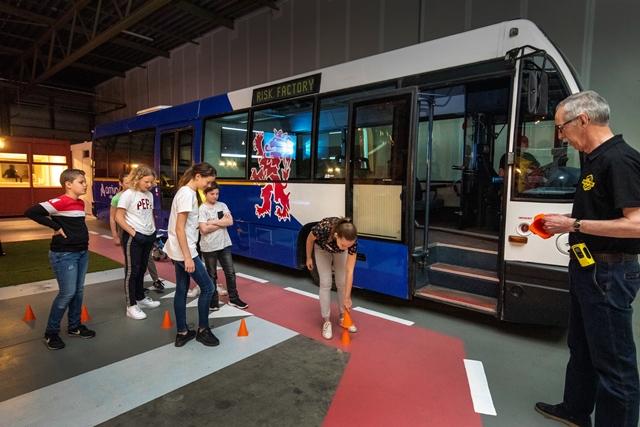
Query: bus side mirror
{"points": [[537, 92]]}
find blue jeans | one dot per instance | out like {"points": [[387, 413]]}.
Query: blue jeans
{"points": [[69, 269], [602, 370], [203, 280], [226, 262]]}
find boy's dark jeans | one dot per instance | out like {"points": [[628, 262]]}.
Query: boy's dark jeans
{"points": [[602, 370], [69, 269], [226, 262]]}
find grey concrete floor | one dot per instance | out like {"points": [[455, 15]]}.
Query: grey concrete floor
{"points": [[524, 364]]}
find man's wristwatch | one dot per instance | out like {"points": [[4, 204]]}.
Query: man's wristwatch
{"points": [[576, 226]]}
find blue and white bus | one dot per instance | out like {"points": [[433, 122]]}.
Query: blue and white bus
{"points": [[441, 152]]}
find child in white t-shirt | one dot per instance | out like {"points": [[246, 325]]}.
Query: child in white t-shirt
{"points": [[135, 217], [181, 248], [116, 233], [215, 244]]}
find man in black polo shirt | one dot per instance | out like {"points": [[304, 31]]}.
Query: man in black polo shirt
{"points": [[602, 369]]}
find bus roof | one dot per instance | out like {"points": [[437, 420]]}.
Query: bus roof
{"points": [[482, 44]]}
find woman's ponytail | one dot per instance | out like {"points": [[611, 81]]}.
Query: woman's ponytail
{"points": [[203, 169]]}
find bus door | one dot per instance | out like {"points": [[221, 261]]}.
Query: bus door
{"points": [[377, 186], [542, 174], [175, 158]]}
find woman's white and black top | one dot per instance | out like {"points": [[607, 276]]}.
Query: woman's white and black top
{"points": [[322, 231]]}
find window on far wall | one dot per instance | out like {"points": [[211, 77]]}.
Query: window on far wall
{"points": [[14, 170], [47, 170]]}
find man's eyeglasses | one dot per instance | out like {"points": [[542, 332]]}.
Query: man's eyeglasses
{"points": [[559, 128]]}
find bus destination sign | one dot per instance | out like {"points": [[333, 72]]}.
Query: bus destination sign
{"points": [[291, 89]]}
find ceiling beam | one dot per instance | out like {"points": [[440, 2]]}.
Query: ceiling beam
{"points": [[269, 3], [25, 14], [139, 14], [201, 12], [141, 47]]}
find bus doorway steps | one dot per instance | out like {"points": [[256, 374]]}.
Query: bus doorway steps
{"points": [[469, 301], [466, 279]]}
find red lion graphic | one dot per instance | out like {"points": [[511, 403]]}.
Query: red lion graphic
{"points": [[274, 164]]}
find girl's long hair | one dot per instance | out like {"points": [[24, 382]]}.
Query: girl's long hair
{"points": [[138, 173], [345, 229], [203, 169]]}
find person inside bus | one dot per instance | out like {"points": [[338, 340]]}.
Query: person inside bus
{"points": [[135, 217], [333, 241], [116, 233], [215, 245], [181, 247], [602, 372]]}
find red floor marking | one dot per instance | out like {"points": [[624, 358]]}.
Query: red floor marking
{"points": [[397, 375]]}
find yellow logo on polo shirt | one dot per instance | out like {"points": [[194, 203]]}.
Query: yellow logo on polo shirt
{"points": [[588, 183]]}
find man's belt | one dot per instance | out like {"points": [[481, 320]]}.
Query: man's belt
{"points": [[612, 258]]}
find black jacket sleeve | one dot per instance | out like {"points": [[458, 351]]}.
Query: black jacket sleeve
{"points": [[41, 216]]}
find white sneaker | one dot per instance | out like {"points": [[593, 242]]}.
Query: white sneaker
{"points": [[351, 328], [222, 291], [193, 292], [134, 312], [327, 333], [148, 303]]}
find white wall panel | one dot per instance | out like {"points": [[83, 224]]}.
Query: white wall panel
{"points": [[205, 72], [332, 27], [238, 56], [489, 12], [221, 61], [443, 18], [176, 63], [190, 69], [364, 28], [280, 59], [401, 23], [304, 36], [258, 58]]}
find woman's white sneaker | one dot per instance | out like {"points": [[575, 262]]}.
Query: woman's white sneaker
{"points": [[193, 292], [134, 312], [222, 291], [327, 332], [148, 303]]}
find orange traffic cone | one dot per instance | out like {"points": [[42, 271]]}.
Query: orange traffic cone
{"points": [[28, 314], [346, 320], [84, 315], [166, 322], [346, 339], [242, 330]]}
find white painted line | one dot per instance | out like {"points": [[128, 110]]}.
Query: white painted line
{"points": [[89, 399], [49, 285], [228, 311], [255, 279], [193, 303], [384, 316], [479, 387], [106, 236], [306, 294], [93, 232], [171, 295]]}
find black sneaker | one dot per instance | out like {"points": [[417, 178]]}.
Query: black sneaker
{"points": [[207, 338], [53, 342], [157, 286], [82, 332], [214, 305], [237, 302], [560, 414], [182, 339]]}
